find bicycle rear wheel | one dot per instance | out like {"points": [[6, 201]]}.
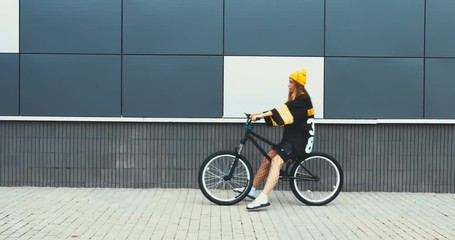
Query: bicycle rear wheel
{"points": [[214, 182], [317, 179]]}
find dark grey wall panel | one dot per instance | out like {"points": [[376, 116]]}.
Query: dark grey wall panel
{"points": [[70, 85], [9, 84], [440, 25], [172, 86], [439, 87], [270, 27], [373, 88], [411, 158], [173, 27], [64, 26], [375, 28]]}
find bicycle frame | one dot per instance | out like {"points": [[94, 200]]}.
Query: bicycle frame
{"points": [[251, 135]]}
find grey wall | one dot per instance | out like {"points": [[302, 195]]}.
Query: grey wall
{"points": [[61, 85], [383, 59], [440, 83], [386, 28], [173, 27], [359, 88], [9, 84], [283, 28], [413, 158], [84, 26], [439, 34], [403, 49], [171, 86]]}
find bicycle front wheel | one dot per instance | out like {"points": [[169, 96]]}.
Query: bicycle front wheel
{"points": [[317, 179], [214, 180]]}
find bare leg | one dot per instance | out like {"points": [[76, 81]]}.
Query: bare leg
{"points": [[274, 174], [263, 170]]}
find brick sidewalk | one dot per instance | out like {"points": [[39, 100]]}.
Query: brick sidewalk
{"points": [[77, 213]]}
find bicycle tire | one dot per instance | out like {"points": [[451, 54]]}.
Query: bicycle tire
{"points": [[219, 190], [317, 179]]}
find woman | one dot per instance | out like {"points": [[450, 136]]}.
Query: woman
{"points": [[297, 117]]}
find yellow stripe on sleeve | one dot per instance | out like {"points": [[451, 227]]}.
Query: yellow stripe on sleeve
{"points": [[285, 114], [274, 123], [310, 112]]}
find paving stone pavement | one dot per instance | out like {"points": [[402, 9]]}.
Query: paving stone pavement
{"points": [[83, 213]]}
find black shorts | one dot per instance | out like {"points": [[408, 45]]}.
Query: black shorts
{"points": [[285, 150]]}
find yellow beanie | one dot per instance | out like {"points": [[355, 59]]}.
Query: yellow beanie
{"points": [[299, 76]]}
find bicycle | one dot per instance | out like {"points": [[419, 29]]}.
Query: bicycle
{"points": [[315, 179]]}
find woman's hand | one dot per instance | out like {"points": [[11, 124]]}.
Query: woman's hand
{"points": [[255, 116]]}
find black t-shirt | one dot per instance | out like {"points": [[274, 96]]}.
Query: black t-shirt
{"points": [[297, 117]]}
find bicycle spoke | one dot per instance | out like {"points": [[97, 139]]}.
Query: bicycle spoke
{"points": [[239, 184], [214, 175], [243, 173], [240, 180], [216, 186], [229, 183], [240, 177], [219, 170], [316, 180]]}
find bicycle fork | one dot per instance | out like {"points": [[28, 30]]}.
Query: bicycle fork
{"points": [[234, 162]]}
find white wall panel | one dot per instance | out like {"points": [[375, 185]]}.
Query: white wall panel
{"points": [[254, 84], [9, 26]]}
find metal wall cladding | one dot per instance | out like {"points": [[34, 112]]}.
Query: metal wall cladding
{"points": [[439, 98], [173, 27], [70, 85], [153, 87], [9, 84], [439, 34], [368, 28], [270, 28], [374, 88], [410, 158], [84, 26]]}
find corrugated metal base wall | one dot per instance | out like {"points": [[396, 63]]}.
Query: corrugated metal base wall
{"points": [[411, 158]]}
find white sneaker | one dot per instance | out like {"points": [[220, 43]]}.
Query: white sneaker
{"points": [[259, 202], [250, 194]]}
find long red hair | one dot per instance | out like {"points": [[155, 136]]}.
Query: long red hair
{"points": [[299, 90]]}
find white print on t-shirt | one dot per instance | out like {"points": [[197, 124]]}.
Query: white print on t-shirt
{"points": [[309, 145]]}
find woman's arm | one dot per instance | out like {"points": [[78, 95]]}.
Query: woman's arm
{"points": [[255, 116]]}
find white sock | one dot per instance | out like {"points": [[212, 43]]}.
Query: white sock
{"points": [[252, 191], [262, 198]]}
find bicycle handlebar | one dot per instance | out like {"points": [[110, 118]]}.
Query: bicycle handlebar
{"points": [[249, 121], [248, 116]]}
